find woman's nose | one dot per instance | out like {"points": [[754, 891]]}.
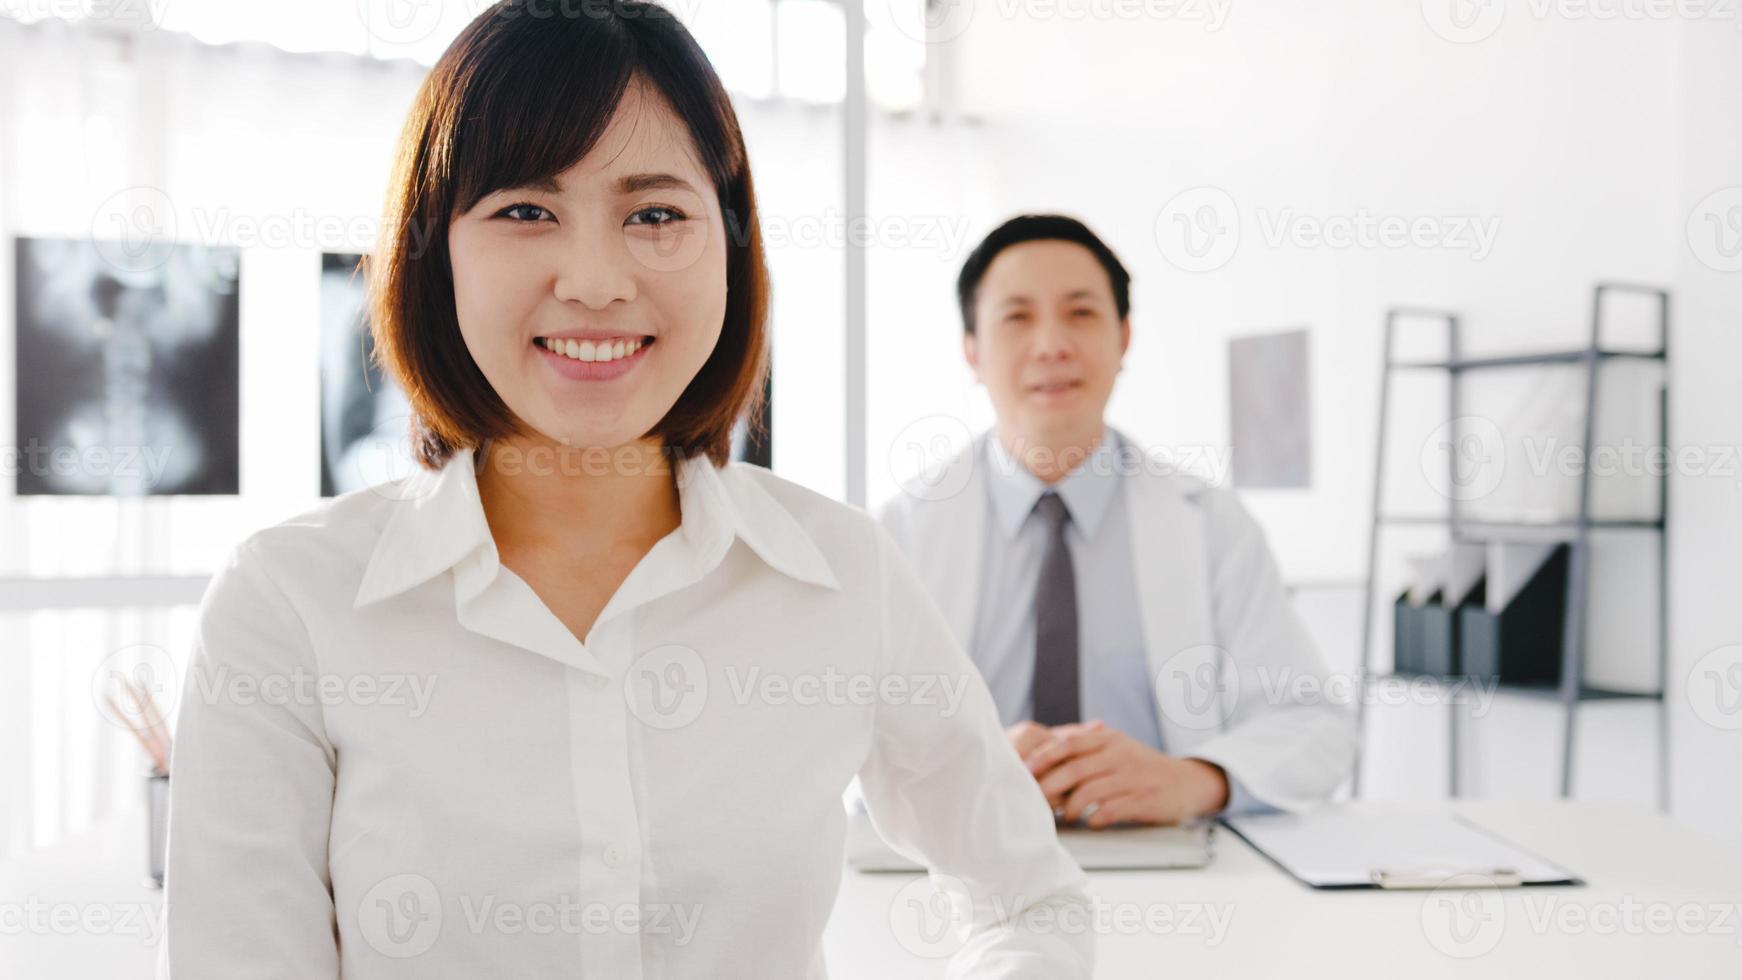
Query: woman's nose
{"points": [[596, 271]]}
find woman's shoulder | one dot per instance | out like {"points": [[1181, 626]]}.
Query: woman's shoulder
{"points": [[329, 542]]}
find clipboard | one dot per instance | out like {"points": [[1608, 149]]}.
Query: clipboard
{"points": [[1345, 846]]}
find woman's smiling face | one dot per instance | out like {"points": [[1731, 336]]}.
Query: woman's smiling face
{"points": [[627, 247]]}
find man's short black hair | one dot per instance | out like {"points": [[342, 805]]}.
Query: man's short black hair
{"points": [[1035, 228]]}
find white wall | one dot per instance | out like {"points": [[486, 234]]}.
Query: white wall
{"points": [[1706, 546], [1559, 132]]}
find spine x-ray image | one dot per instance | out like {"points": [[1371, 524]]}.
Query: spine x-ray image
{"points": [[127, 370]]}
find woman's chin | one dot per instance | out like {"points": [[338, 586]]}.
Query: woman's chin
{"points": [[592, 440]]}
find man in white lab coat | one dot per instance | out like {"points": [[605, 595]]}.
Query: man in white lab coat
{"points": [[1129, 619]]}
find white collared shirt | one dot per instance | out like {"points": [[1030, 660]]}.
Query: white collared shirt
{"points": [[392, 760]]}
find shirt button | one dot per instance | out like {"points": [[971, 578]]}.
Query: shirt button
{"points": [[613, 856]]}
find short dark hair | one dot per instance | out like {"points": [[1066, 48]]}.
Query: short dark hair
{"points": [[1035, 228], [521, 95]]}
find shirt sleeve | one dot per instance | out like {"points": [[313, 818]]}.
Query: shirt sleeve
{"points": [[1241, 800], [945, 788], [247, 894], [1293, 748]]}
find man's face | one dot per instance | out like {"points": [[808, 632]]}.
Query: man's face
{"points": [[1048, 341]]}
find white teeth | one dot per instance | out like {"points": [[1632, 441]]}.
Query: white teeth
{"points": [[587, 350]]}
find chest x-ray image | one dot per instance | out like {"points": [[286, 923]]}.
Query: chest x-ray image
{"points": [[127, 371]]}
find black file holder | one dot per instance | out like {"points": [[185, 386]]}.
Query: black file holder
{"points": [[1406, 630], [1426, 637], [1521, 644]]}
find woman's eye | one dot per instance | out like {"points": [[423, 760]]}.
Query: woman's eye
{"points": [[656, 215], [524, 209]]}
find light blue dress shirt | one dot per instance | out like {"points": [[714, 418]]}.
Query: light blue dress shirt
{"points": [[1115, 682]]}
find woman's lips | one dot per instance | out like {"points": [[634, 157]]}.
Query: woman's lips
{"points": [[574, 369]]}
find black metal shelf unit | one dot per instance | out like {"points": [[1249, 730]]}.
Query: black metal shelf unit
{"points": [[1572, 689]]}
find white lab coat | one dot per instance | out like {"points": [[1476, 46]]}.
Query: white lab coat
{"points": [[1237, 681]]}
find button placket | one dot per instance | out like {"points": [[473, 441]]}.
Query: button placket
{"points": [[606, 807]]}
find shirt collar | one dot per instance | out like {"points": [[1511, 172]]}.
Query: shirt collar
{"points": [[436, 523], [1087, 490]]}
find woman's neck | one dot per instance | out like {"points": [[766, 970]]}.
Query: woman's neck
{"points": [[542, 497]]}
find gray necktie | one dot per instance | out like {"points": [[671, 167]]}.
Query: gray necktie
{"points": [[1056, 700]]}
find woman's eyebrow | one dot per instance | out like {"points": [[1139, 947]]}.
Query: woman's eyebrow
{"points": [[628, 184], [636, 183], [549, 185]]}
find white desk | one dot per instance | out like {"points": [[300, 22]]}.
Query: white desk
{"points": [[1242, 917]]}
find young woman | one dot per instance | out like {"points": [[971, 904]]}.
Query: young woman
{"points": [[580, 698]]}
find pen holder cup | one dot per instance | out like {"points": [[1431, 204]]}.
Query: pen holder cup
{"points": [[157, 824]]}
